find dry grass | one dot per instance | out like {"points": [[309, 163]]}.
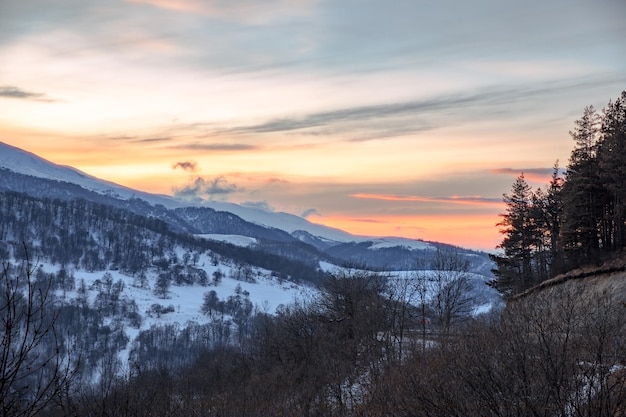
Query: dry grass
{"points": [[610, 276]]}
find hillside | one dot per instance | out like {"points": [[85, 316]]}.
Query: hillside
{"points": [[274, 233], [609, 276], [123, 287]]}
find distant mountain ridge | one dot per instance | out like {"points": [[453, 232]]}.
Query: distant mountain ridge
{"points": [[278, 233], [146, 279], [23, 162]]}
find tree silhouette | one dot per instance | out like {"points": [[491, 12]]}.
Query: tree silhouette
{"points": [[35, 365]]}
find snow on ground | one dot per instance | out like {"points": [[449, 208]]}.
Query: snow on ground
{"points": [[328, 267], [27, 163], [280, 220], [266, 293], [392, 242], [236, 240], [23, 162]]}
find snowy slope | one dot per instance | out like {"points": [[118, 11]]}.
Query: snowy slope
{"points": [[280, 220], [237, 240], [23, 162], [266, 294], [393, 242]]}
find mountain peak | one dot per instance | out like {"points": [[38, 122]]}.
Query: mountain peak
{"points": [[27, 163]]}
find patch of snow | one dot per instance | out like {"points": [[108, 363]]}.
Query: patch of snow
{"points": [[27, 163], [392, 242], [482, 309], [237, 240], [327, 266], [280, 220], [23, 162], [266, 293]]}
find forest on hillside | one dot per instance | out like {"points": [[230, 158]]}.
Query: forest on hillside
{"points": [[369, 344], [359, 349], [575, 220]]}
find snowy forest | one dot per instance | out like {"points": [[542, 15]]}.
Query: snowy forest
{"points": [[363, 342]]}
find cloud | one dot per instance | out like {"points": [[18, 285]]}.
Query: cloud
{"points": [[518, 171], [262, 205], [218, 147], [310, 212], [401, 118], [464, 200], [530, 174], [189, 6], [364, 220], [15, 92], [123, 137], [244, 11], [189, 166], [199, 188], [150, 140]]}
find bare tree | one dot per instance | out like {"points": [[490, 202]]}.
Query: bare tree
{"points": [[35, 366], [449, 288]]}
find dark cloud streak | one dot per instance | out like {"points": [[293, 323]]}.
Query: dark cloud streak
{"points": [[310, 212], [18, 93], [189, 166], [218, 147], [393, 119]]}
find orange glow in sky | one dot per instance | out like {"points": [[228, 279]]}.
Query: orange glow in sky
{"points": [[400, 119], [468, 231]]}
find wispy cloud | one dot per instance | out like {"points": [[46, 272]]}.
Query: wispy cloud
{"points": [[531, 174], [364, 123], [218, 146], [465, 200], [151, 140], [263, 205], [200, 188], [364, 220], [122, 138], [518, 171], [189, 6], [310, 212], [18, 93], [247, 11], [189, 166]]}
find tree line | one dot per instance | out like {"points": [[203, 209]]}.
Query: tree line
{"points": [[96, 237], [575, 220], [356, 350]]}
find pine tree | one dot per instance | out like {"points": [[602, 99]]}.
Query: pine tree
{"points": [[514, 267], [583, 193], [612, 165], [548, 212], [574, 221]]}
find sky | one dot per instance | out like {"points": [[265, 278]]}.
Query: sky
{"points": [[382, 118]]}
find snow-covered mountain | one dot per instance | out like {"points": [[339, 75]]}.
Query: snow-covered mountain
{"points": [[284, 221], [146, 271], [259, 227], [22, 162]]}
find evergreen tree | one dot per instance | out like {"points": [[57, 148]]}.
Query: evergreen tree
{"points": [[514, 267], [585, 196], [548, 212], [574, 221], [612, 165]]}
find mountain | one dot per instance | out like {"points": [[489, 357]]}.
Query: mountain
{"points": [[278, 233], [154, 281], [22, 162]]}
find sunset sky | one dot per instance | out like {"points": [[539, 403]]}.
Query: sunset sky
{"points": [[397, 117]]}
